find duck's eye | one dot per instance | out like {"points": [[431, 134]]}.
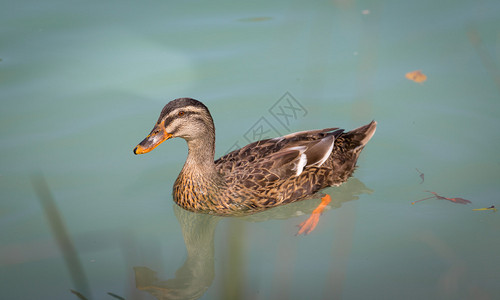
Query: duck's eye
{"points": [[180, 114]]}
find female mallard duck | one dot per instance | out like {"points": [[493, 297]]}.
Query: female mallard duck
{"points": [[261, 175]]}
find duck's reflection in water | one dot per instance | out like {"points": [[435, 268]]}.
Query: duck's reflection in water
{"points": [[195, 276], [197, 273]]}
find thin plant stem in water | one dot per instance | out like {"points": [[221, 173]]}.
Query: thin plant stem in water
{"points": [[61, 235]]}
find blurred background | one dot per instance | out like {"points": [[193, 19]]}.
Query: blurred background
{"points": [[82, 82]]}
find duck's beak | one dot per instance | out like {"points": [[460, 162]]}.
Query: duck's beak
{"points": [[157, 136]]}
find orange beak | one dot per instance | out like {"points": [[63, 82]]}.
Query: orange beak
{"points": [[157, 136]]}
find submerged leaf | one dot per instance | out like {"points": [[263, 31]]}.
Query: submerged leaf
{"points": [[421, 175], [459, 200], [435, 195]]}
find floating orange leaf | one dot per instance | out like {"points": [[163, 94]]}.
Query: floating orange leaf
{"points": [[416, 76]]}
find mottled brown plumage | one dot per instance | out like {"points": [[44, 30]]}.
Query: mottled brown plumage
{"points": [[260, 175]]}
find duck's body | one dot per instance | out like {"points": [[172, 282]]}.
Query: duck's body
{"points": [[263, 174], [260, 175]]}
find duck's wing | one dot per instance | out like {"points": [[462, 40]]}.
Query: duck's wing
{"points": [[301, 152], [284, 156]]}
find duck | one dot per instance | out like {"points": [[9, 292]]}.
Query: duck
{"points": [[261, 175]]}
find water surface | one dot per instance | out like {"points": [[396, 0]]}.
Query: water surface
{"points": [[82, 83]]}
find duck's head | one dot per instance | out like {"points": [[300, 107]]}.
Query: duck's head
{"points": [[185, 118]]}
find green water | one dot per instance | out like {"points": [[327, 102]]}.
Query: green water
{"points": [[82, 82]]}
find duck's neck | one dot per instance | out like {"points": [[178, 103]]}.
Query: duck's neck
{"points": [[200, 164], [199, 184], [200, 159]]}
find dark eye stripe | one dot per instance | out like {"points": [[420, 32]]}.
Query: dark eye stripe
{"points": [[170, 118], [168, 114]]}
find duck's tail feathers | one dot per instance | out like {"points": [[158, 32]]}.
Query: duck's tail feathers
{"points": [[359, 137]]}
